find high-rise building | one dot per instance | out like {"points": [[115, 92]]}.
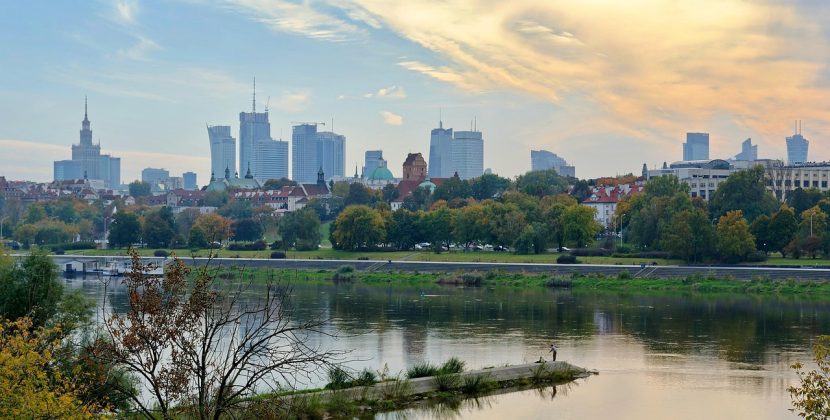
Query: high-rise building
{"points": [[696, 146], [253, 127], [270, 160], [222, 150], [541, 160], [440, 152], [304, 163], [87, 161], [313, 150], [331, 154], [154, 175], [190, 181], [467, 149], [797, 147], [748, 151], [372, 160]]}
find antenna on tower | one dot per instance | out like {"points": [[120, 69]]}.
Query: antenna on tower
{"points": [[85, 107], [475, 123], [254, 101], [440, 118]]}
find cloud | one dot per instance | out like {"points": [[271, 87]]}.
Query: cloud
{"points": [[391, 118], [392, 92], [294, 101], [300, 19], [140, 49], [126, 11]]}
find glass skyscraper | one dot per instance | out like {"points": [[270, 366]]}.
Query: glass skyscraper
{"points": [[696, 146], [440, 152], [313, 150], [467, 149], [222, 150], [797, 147]]}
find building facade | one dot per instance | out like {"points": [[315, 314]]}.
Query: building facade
{"points": [[271, 160], [542, 160], [440, 152], [696, 146], [748, 151], [414, 167], [702, 177], [331, 154], [468, 154], [87, 160], [154, 175], [189, 179], [222, 150], [797, 147], [372, 160], [254, 127], [313, 150]]}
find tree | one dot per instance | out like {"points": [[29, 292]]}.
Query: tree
{"points": [[34, 214], [159, 228], [505, 223], [404, 229], [390, 193], [800, 199], [541, 183], [581, 190], [419, 199], [451, 188], [744, 190], [437, 227], [139, 189], [358, 227], [552, 223], [236, 209], [247, 230], [276, 184], [214, 226], [735, 243], [689, 235], [360, 195], [531, 240], [488, 186], [31, 289], [760, 230], [782, 227], [125, 229], [469, 225], [580, 227], [197, 238], [811, 398], [203, 347], [300, 229]]}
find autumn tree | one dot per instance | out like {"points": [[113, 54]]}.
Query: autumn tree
{"points": [[735, 242], [811, 398], [689, 235], [579, 226], [214, 226], [358, 227]]}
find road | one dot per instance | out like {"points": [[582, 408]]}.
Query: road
{"points": [[723, 272]]}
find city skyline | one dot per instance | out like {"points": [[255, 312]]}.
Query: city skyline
{"points": [[153, 84]]}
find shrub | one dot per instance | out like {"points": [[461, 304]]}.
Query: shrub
{"points": [[421, 370], [345, 269], [757, 256], [277, 255], [160, 253], [476, 384], [453, 365], [338, 378], [567, 259], [624, 275], [446, 381], [624, 249], [59, 251], [365, 378], [259, 245], [363, 258], [557, 283], [70, 246], [276, 245]]}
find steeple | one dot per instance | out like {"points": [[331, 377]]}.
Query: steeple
{"points": [[440, 119], [253, 103], [86, 132], [321, 177], [212, 176], [248, 174], [85, 104], [227, 172]]}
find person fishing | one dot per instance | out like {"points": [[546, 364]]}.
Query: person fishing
{"points": [[553, 350]]}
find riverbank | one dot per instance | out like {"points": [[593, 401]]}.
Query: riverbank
{"points": [[496, 278]]}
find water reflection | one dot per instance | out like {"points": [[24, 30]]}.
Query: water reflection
{"points": [[660, 356]]}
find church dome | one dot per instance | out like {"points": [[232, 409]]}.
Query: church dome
{"points": [[381, 174], [427, 184]]}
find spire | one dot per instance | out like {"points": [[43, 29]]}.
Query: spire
{"points": [[227, 172], [85, 115], [321, 177], [248, 174], [440, 118], [254, 101]]}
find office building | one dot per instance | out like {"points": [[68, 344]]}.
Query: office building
{"points": [[313, 150], [222, 150], [271, 160], [748, 151], [467, 149], [189, 179], [440, 152], [542, 160], [696, 146], [87, 160], [253, 127], [797, 147], [154, 175], [372, 160]]}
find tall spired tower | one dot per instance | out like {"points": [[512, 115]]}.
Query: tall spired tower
{"points": [[87, 153]]}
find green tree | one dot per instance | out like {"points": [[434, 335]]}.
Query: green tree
{"points": [[31, 289], [125, 229], [404, 229], [811, 398], [581, 190], [505, 222], [782, 228], [247, 230], [746, 191], [197, 238], [552, 222], [139, 189], [451, 188], [65, 211], [236, 209], [760, 230], [689, 235], [34, 214], [390, 193], [437, 227], [159, 228], [735, 242], [488, 186], [300, 229], [469, 225], [580, 227], [541, 183], [358, 227], [419, 199], [359, 195], [800, 199], [531, 240], [276, 184]]}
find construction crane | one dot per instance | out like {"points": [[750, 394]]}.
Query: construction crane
{"points": [[307, 123]]}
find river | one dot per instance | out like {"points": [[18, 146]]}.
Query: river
{"points": [[660, 356]]}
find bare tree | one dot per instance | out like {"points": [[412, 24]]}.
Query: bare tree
{"points": [[202, 347]]}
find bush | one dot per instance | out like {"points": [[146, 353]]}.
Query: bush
{"points": [[305, 245], [70, 246], [567, 259], [557, 283], [160, 253], [276, 245], [277, 255], [421, 370], [477, 384], [59, 251], [446, 381], [624, 275], [363, 258], [624, 249], [757, 256], [591, 252], [453, 365], [259, 245]]}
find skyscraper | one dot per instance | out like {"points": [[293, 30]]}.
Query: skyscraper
{"points": [[748, 151], [189, 179], [87, 161], [696, 146], [331, 153], [154, 175], [254, 127], [467, 151], [372, 160], [541, 160], [270, 160], [440, 152], [222, 150], [313, 150], [797, 147]]}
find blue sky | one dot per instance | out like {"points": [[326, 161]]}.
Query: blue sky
{"points": [[607, 85]]}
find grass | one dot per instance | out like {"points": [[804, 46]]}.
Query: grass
{"points": [[453, 365]]}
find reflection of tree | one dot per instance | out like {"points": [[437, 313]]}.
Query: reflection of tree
{"points": [[741, 328]]}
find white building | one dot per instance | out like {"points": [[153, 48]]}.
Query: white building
{"points": [[468, 154], [222, 150], [271, 160], [604, 200]]}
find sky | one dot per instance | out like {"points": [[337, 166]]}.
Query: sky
{"points": [[607, 85]]}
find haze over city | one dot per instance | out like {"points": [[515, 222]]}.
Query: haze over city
{"points": [[607, 86]]}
